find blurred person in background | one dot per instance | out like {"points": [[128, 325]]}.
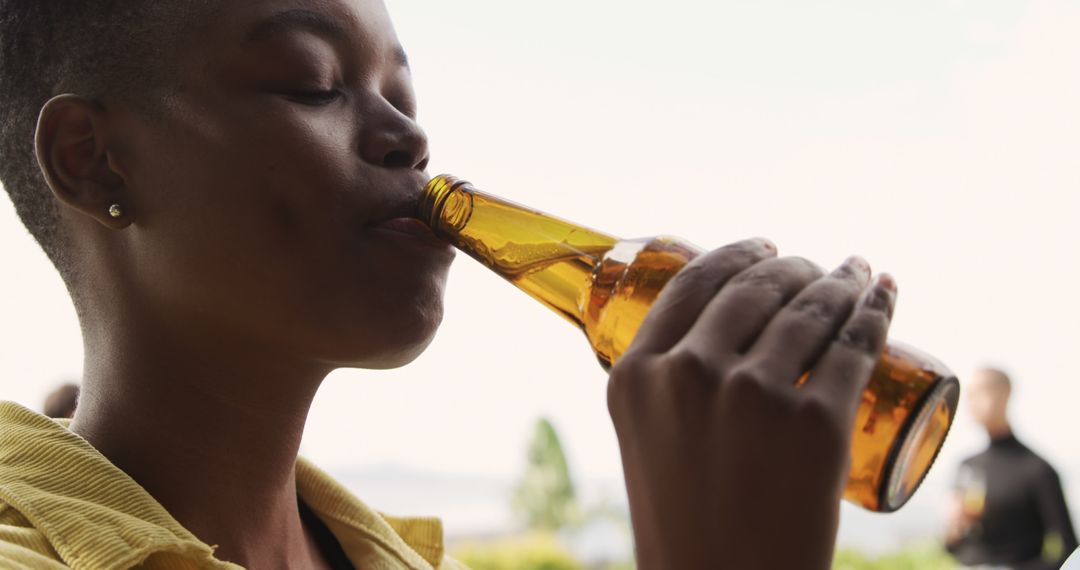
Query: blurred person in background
{"points": [[61, 402], [1008, 510]]}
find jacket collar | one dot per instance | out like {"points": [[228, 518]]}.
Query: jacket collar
{"points": [[96, 516], [92, 513]]}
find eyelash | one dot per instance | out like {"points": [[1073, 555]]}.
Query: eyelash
{"points": [[315, 98]]}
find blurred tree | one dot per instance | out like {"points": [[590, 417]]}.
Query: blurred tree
{"points": [[545, 498]]}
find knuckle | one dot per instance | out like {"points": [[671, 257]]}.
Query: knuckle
{"points": [[843, 272], [763, 276], [846, 282], [821, 308], [806, 266], [693, 274], [684, 364], [747, 385], [745, 252], [781, 274], [631, 361], [854, 270], [744, 247], [879, 300], [717, 266], [626, 383], [865, 336], [686, 386], [747, 394], [737, 261], [677, 379]]}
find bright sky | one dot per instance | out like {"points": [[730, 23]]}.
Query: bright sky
{"points": [[937, 138]]}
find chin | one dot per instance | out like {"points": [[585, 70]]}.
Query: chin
{"points": [[397, 342], [402, 357]]}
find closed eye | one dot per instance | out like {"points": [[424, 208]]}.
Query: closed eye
{"points": [[314, 98]]}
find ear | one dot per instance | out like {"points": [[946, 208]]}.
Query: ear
{"points": [[71, 148]]}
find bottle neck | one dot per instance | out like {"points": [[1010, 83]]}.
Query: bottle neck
{"points": [[549, 258]]}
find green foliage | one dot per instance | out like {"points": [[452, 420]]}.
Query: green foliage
{"points": [[545, 498], [926, 557], [536, 551]]}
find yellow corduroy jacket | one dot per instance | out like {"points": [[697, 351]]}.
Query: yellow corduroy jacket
{"points": [[64, 505]]}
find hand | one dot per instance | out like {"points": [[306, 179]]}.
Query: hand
{"points": [[958, 520], [728, 464]]}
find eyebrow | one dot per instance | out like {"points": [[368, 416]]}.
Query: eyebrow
{"points": [[297, 19], [314, 22]]}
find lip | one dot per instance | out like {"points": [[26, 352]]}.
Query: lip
{"points": [[412, 229]]}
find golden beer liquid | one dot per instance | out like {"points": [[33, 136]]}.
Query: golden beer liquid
{"points": [[605, 285]]}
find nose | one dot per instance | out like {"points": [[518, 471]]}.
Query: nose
{"points": [[391, 139]]}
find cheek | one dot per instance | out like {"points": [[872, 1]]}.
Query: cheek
{"points": [[245, 222], [255, 181], [256, 149], [224, 214]]}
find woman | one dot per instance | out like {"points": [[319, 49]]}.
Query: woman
{"points": [[227, 190]]}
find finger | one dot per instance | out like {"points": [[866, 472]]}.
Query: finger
{"points": [[681, 301], [800, 332], [737, 315], [843, 372]]}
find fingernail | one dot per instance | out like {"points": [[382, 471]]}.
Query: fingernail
{"points": [[857, 263], [886, 281], [768, 244]]}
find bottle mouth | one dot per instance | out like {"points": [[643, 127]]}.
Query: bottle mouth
{"points": [[915, 451], [432, 209]]}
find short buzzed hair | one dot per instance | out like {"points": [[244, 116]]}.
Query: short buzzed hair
{"points": [[93, 48], [999, 377]]}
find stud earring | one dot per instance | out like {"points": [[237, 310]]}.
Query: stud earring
{"points": [[116, 211]]}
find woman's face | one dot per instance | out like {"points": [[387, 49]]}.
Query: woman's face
{"points": [[260, 192]]}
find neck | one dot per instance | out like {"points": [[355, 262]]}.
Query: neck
{"points": [[999, 429], [210, 428]]}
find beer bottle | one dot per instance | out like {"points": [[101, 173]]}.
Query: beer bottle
{"points": [[605, 285]]}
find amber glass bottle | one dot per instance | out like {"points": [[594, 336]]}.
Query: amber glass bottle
{"points": [[604, 285]]}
